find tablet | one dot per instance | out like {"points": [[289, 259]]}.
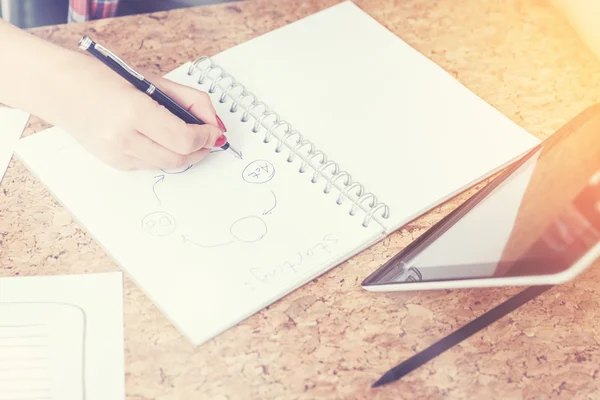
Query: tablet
{"points": [[537, 223]]}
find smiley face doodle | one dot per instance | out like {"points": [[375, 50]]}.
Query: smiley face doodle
{"points": [[159, 223]]}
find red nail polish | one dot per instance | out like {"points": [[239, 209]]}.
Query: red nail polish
{"points": [[221, 124], [221, 141]]}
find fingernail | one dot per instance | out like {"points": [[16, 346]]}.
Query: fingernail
{"points": [[221, 141], [221, 124]]}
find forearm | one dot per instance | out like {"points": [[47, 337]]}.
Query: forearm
{"points": [[113, 120], [35, 74]]}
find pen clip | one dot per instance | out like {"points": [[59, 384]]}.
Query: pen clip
{"points": [[86, 42]]}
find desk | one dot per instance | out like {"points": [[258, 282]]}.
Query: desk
{"points": [[331, 339]]}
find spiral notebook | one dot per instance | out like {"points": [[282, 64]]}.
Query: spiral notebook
{"points": [[347, 133]]}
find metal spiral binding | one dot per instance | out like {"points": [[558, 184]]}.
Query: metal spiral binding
{"points": [[228, 85]]}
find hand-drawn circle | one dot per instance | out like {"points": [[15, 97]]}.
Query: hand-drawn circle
{"points": [[249, 229], [258, 171], [159, 223], [177, 170]]}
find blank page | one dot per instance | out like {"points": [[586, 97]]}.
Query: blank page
{"points": [[61, 337], [41, 351], [401, 125]]}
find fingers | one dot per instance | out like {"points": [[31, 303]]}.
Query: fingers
{"points": [[132, 164], [128, 163], [195, 101], [169, 131], [156, 138], [154, 155]]}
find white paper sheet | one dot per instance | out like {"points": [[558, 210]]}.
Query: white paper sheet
{"points": [[61, 337], [12, 123], [396, 121]]}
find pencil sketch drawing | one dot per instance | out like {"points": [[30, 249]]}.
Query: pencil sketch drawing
{"points": [[159, 223], [159, 179], [259, 171], [270, 210], [177, 171], [248, 229]]}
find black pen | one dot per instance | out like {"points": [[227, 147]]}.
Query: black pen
{"points": [[138, 80]]}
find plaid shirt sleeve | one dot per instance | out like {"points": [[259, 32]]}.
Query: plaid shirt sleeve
{"points": [[86, 10]]}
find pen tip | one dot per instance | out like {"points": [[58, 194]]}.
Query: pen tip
{"points": [[377, 384], [384, 380], [236, 152]]}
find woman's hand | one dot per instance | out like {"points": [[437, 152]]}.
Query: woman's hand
{"points": [[128, 130], [106, 114]]}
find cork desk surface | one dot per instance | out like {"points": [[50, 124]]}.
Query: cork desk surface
{"points": [[330, 338]]}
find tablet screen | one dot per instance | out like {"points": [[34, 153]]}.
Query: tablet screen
{"points": [[537, 218]]}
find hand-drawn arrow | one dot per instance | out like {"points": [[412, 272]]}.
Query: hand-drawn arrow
{"points": [[267, 212], [240, 156], [185, 239], [160, 179]]}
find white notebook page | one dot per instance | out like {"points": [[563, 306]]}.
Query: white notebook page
{"points": [[41, 351], [12, 123], [395, 120], [61, 337], [210, 245]]}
